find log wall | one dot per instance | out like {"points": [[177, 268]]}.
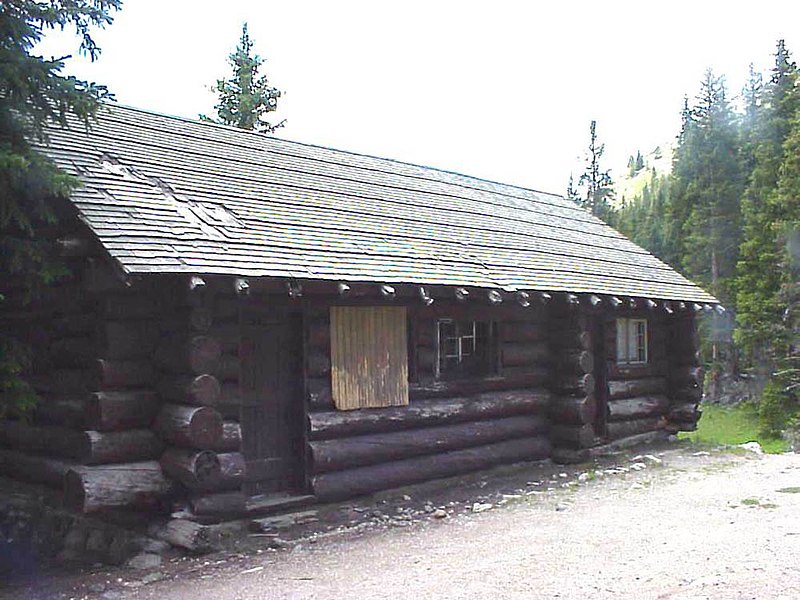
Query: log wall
{"points": [[685, 382], [449, 427]]}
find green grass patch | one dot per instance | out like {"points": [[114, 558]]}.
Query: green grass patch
{"points": [[790, 490], [730, 426]]}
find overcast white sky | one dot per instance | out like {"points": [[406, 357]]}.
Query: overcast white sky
{"points": [[501, 90]]}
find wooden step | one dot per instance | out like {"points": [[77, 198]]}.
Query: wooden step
{"points": [[269, 504]]}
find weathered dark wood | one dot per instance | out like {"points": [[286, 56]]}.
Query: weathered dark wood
{"points": [[81, 324], [426, 359], [197, 354], [120, 446], [426, 332], [569, 456], [69, 411], [339, 485], [139, 485], [319, 334], [318, 390], [628, 388], [577, 361], [42, 439], [125, 340], [198, 390], [232, 473], [522, 331], [638, 407], [622, 429], [189, 426], [224, 504], [193, 468], [524, 353], [654, 369], [34, 468], [318, 364], [231, 439], [686, 395], [128, 305], [575, 384], [572, 436], [347, 453], [111, 374], [330, 425], [110, 411], [686, 377], [532, 377], [684, 413], [186, 534], [573, 410], [571, 339]]}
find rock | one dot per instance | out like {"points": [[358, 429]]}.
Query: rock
{"points": [[647, 458], [145, 560], [277, 543], [561, 507], [96, 588], [638, 466], [480, 507], [753, 447], [406, 497], [155, 546], [583, 477], [439, 514], [153, 577]]}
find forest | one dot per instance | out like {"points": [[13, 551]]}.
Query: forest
{"points": [[727, 217]]}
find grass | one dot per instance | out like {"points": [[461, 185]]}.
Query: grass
{"points": [[724, 426]]}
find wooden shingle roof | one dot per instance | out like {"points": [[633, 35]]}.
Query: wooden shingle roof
{"points": [[170, 195]]}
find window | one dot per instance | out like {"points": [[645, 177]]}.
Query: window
{"points": [[369, 356], [465, 349], [631, 341]]}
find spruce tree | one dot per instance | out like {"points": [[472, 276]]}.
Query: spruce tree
{"points": [[760, 329], [595, 182], [246, 97], [35, 95]]}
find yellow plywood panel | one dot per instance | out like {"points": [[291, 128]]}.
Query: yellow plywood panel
{"points": [[369, 356]]}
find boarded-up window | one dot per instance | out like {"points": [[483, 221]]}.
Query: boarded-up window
{"points": [[369, 357]]}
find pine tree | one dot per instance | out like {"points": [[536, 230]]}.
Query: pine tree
{"points": [[595, 182], [34, 94], [639, 164], [246, 97], [761, 330]]}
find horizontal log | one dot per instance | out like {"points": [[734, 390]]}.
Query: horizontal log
{"points": [[628, 388], [69, 412], [232, 473], [79, 324], [231, 440], [340, 485], [140, 485], [524, 353], [687, 377], [572, 436], [571, 339], [34, 468], [198, 390], [193, 468], [336, 424], [186, 534], [637, 408], [110, 411], [573, 410], [109, 374], [580, 385], [318, 364], [532, 377], [127, 339], [347, 453], [625, 371], [622, 429], [197, 354], [189, 426], [223, 504], [42, 439], [523, 331], [319, 334], [576, 361], [318, 391], [129, 306], [684, 413], [120, 446], [686, 395]]}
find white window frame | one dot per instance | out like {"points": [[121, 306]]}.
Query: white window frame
{"points": [[632, 341], [466, 341]]}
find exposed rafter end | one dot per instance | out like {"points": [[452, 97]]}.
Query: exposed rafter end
{"points": [[425, 296], [524, 299], [667, 308], [242, 286], [572, 299], [343, 288], [615, 302], [651, 304], [294, 288], [633, 303], [387, 291], [595, 300], [720, 309], [196, 282], [461, 294], [494, 297], [697, 307], [681, 305], [545, 297]]}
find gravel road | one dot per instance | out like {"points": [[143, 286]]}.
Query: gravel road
{"points": [[676, 523]]}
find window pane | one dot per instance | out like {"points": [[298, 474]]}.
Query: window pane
{"points": [[622, 340]]}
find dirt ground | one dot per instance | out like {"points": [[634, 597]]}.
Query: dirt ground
{"points": [[661, 522]]}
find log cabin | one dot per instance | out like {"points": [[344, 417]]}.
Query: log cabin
{"points": [[252, 324]]}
